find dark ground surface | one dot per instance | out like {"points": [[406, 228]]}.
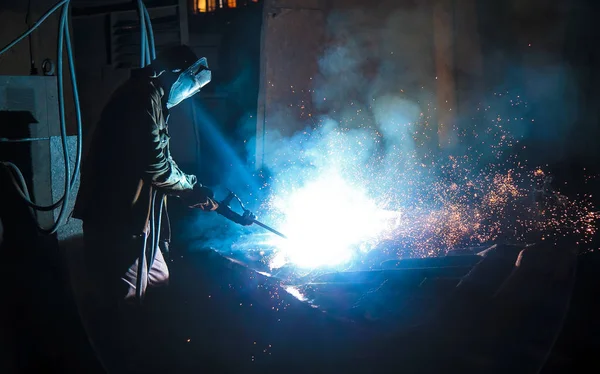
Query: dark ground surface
{"points": [[221, 317], [224, 318]]}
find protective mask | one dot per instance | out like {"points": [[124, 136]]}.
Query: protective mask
{"points": [[189, 82]]}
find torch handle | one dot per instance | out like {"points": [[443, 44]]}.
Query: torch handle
{"points": [[224, 210]]}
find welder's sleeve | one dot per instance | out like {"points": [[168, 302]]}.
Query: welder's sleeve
{"points": [[159, 167]]}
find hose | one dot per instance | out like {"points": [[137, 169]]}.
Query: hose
{"points": [[64, 42], [16, 175], [14, 172], [144, 39], [148, 49], [150, 34], [63, 127], [147, 54], [157, 226], [22, 140], [35, 26]]}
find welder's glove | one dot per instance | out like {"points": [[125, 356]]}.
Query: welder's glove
{"points": [[247, 218], [201, 198]]}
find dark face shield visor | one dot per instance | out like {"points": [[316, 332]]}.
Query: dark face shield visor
{"points": [[189, 82]]}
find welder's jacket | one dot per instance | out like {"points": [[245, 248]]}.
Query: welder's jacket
{"points": [[129, 161]]}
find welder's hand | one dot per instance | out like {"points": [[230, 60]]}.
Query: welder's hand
{"points": [[208, 205], [202, 198], [247, 218]]}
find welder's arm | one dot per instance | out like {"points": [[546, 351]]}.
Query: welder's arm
{"points": [[161, 169], [163, 172]]}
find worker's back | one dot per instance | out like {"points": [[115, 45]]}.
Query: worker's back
{"points": [[112, 191]]}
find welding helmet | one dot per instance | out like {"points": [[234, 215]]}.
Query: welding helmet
{"points": [[189, 82], [181, 72]]}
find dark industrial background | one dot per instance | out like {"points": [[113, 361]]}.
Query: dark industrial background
{"points": [[472, 47]]}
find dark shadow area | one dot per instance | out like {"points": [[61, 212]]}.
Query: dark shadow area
{"points": [[228, 114], [39, 322], [574, 350], [514, 310]]}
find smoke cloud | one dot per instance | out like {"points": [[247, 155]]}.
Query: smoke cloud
{"points": [[371, 134]]}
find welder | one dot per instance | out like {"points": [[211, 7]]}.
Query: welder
{"points": [[127, 174]]}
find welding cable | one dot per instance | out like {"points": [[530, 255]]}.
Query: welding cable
{"points": [[22, 140], [150, 34], [63, 127], [15, 173], [14, 170], [32, 68], [140, 268], [77, 104], [64, 37], [142, 257], [144, 38], [35, 26], [152, 224], [147, 54], [21, 184], [157, 228], [148, 258], [147, 48]]}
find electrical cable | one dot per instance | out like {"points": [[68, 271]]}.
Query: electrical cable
{"points": [[150, 34], [77, 104], [63, 127], [147, 49], [21, 185], [144, 38], [32, 68], [35, 26], [148, 54], [16, 175], [21, 140]]}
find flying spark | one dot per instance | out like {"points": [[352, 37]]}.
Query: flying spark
{"points": [[369, 182]]}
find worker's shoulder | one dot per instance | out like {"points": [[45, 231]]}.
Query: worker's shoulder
{"points": [[146, 86], [139, 91]]}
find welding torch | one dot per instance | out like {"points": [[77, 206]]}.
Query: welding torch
{"points": [[245, 219]]}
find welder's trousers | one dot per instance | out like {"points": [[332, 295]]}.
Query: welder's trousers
{"points": [[120, 329]]}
